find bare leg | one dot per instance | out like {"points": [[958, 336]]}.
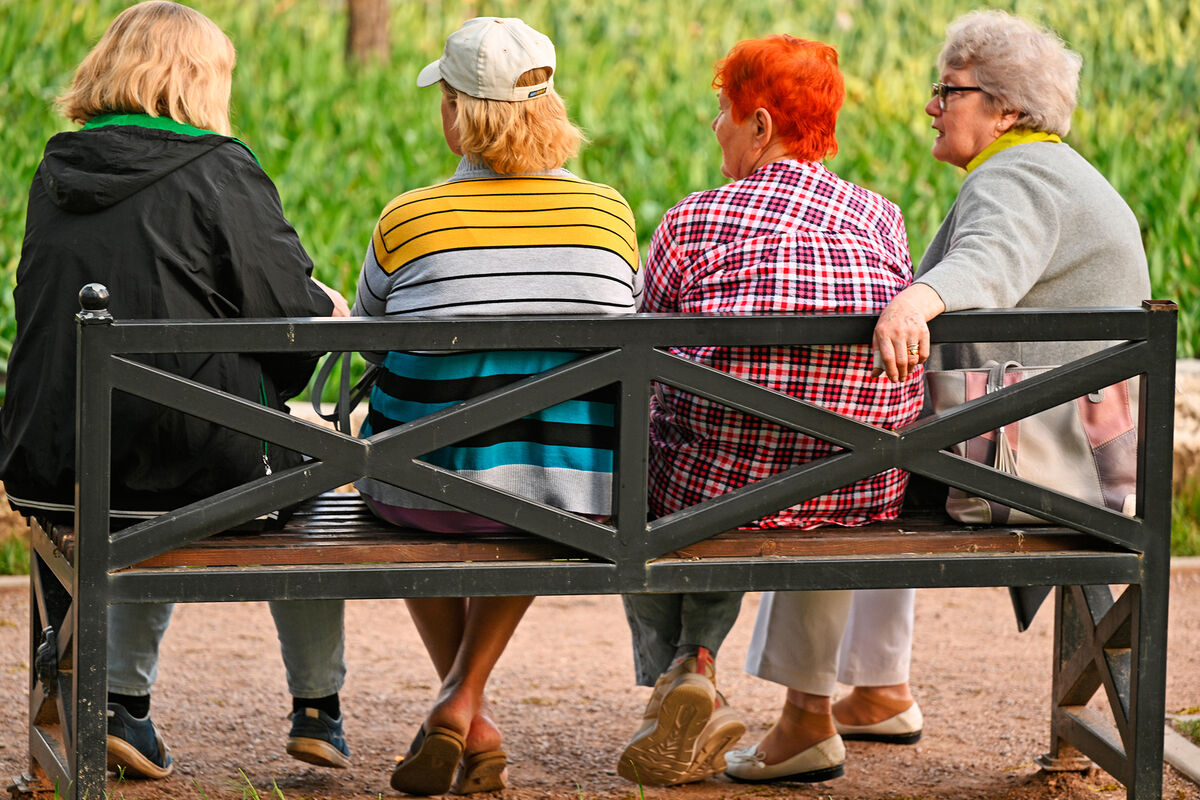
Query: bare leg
{"points": [[805, 720], [465, 638], [440, 622], [867, 705]]}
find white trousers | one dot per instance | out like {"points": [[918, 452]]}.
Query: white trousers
{"points": [[811, 641]]}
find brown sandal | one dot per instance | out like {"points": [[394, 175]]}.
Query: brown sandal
{"points": [[481, 772], [429, 766]]}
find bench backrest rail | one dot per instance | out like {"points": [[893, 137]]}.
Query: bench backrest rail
{"points": [[68, 673], [633, 353]]}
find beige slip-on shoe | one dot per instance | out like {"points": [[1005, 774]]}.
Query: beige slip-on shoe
{"points": [[821, 762], [903, 728]]}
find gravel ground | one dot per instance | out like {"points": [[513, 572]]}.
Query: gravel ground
{"points": [[564, 697]]}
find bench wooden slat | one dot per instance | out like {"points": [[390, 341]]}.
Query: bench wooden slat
{"points": [[889, 540], [337, 528]]}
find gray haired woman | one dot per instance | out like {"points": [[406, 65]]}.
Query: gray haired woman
{"points": [[1034, 226]]}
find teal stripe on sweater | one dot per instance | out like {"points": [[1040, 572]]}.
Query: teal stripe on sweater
{"points": [[578, 412], [455, 366], [583, 459]]}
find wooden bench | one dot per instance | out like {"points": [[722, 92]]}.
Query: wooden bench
{"points": [[334, 548]]}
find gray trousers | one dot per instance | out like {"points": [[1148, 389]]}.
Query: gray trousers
{"points": [[311, 640], [661, 622]]}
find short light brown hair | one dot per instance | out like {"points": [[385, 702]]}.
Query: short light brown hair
{"points": [[1019, 66], [515, 137], [158, 58]]}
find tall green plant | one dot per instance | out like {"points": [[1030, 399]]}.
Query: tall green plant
{"points": [[636, 75]]}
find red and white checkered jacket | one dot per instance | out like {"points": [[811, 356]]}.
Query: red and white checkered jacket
{"points": [[794, 238]]}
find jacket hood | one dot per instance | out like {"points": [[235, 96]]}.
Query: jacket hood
{"points": [[88, 170]]}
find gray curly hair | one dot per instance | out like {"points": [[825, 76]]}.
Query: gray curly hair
{"points": [[1020, 67]]}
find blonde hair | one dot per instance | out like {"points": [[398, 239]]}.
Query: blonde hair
{"points": [[515, 137], [158, 58], [1019, 66]]}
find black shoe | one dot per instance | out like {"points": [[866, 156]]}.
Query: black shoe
{"points": [[135, 750], [317, 739]]}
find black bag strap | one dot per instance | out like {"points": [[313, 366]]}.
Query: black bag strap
{"points": [[348, 396]]}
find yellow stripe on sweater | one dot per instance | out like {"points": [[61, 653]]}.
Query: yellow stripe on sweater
{"points": [[504, 212]]}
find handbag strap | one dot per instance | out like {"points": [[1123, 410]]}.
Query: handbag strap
{"points": [[997, 373], [348, 396], [1005, 459]]}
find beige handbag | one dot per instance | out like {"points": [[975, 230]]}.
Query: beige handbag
{"points": [[1086, 448]]}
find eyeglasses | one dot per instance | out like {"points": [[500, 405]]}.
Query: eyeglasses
{"points": [[940, 90]]}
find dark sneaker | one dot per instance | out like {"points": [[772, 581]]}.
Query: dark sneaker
{"points": [[135, 750], [316, 738]]}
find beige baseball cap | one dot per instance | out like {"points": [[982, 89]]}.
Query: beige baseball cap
{"points": [[486, 55]]}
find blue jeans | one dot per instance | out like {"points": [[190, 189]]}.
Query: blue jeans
{"points": [[311, 641], [661, 622]]}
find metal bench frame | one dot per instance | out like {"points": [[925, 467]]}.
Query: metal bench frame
{"points": [[1100, 643]]}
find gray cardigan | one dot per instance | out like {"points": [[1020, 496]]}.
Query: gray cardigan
{"points": [[1034, 226]]}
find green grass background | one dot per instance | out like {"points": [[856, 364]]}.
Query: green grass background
{"points": [[636, 74]]}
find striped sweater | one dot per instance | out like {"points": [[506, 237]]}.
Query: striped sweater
{"points": [[489, 244]]}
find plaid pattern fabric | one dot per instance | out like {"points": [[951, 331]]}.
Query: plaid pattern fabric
{"points": [[794, 238]]}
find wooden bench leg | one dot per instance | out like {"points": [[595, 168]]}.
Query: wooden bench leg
{"points": [[1117, 645], [68, 675], [50, 671], [35, 784]]}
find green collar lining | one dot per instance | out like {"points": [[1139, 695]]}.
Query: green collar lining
{"points": [[156, 123]]}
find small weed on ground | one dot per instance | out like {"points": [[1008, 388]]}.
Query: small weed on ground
{"points": [[249, 792], [1190, 728]]}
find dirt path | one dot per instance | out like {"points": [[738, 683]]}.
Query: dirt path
{"points": [[564, 697]]}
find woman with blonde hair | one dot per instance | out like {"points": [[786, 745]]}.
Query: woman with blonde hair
{"points": [[512, 232], [155, 200]]}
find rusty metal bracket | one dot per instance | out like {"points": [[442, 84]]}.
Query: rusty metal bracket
{"points": [[45, 661], [32, 786]]}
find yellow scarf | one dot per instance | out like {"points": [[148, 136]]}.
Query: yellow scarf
{"points": [[1011, 139]]}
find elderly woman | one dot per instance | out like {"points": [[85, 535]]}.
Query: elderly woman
{"points": [[1034, 226], [511, 233], [154, 199], [786, 236]]}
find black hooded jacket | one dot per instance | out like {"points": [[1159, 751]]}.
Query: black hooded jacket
{"points": [[178, 226]]}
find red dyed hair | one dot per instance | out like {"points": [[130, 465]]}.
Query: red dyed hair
{"points": [[796, 80]]}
